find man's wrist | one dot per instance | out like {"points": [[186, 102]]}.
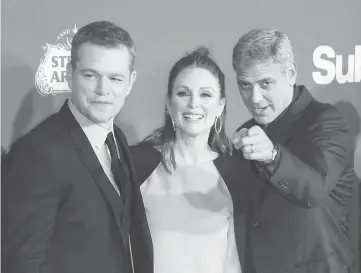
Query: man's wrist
{"points": [[268, 168], [273, 156]]}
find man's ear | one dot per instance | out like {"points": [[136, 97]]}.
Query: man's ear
{"points": [[132, 77], [69, 75], [292, 74]]}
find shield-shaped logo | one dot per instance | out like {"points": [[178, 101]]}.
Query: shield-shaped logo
{"points": [[50, 78]]}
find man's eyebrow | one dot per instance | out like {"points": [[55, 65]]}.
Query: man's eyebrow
{"points": [[117, 75], [96, 72], [242, 81], [266, 79], [89, 70]]}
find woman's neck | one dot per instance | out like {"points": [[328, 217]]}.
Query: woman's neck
{"points": [[193, 150]]}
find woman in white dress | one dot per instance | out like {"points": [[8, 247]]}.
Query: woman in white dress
{"points": [[194, 188]]}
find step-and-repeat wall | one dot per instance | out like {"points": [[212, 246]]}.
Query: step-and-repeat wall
{"points": [[326, 37]]}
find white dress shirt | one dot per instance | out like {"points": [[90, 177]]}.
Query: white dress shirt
{"points": [[96, 136]]}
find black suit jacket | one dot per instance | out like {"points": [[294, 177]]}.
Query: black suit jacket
{"points": [[235, 173], [300, 214], [60, 212]]}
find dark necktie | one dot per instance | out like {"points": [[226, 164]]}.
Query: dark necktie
{"points": [[115, 164]]}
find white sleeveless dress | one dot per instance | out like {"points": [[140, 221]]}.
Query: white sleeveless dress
{"points": [[190, 215]]}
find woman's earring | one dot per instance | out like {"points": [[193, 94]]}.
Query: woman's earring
{"points": [[218, 130]]}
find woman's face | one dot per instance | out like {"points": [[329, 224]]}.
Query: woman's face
{"points": [[195, 101]]}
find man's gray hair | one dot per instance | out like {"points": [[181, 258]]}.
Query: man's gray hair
{"points": [[261, 46]]}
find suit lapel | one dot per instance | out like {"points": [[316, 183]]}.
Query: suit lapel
{"points": [[90, 160], [283, 128]]}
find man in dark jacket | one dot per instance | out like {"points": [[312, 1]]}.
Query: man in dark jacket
{"points": [[302, 153], [69, 196]]}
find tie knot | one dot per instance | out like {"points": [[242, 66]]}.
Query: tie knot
{"points": [[111, 145]]}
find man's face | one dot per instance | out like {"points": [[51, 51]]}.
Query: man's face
{"points": [[266, 89], [100, 81]]}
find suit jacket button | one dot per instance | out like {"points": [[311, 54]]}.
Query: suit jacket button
{"points": [[253, 223]]}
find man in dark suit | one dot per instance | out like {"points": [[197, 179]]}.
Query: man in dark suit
{"points": [[69, 197], [302, 153]]}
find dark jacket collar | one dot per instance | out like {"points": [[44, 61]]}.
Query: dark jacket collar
{"points": [[296, 93], [283, 125]]}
